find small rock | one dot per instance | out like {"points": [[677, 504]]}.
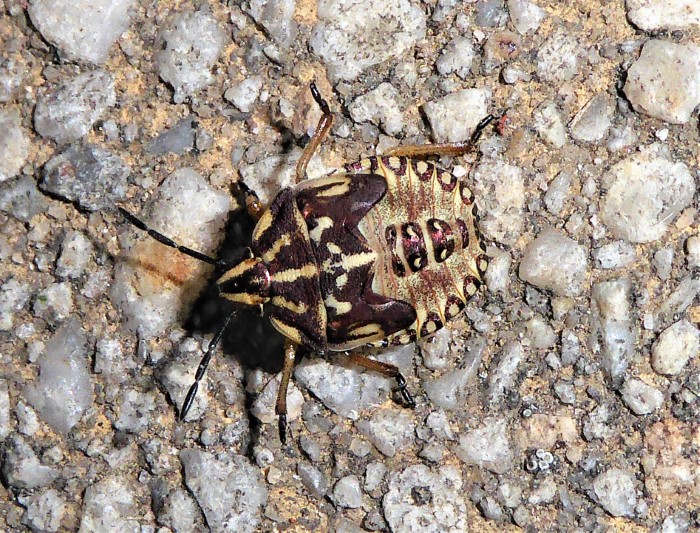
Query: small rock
{"points": [[76, 249], [21, 199], [549, 125], [645, 193], [229, 489], [180, 512], [13, 296], [565, 391], [82, 30], [500, 48], [454, 117], [276, 17], [617, 254], [380, 107], [68, 112], [244, 94], [525, 15], [21, 468], [504, 370], [497, 276], [44, 511], [110, 505], [557, 58], [348, 493], [663, 82], [558, 192], [615, 491], [655, 15], [540, 333], [5, 423], [345, 37], [692, 250], [457, 58], [390, 430], [14, 144], [680, 299], [176, 140], [12, 74], [674, 348], [55, 302], [554, 261], [313, 479], [641, 398], [592, 122], [374, 474], [271, 174], [88, 175], [487, 446], [500, 192], [136, 410], [421, 499], [663, 262], [187, 50]]}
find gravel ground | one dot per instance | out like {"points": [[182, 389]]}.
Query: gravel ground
{"points": [[565, 398]]}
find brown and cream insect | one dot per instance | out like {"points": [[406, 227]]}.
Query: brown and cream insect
{"points": [[381, 252]]}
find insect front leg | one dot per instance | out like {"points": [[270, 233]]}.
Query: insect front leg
{"points": [[324, 125], [290, 352]]}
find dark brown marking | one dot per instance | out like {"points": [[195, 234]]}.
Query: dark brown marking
{"points": [[390, 234], [440, 233], [453, 307], [413, 244], [464, 232], [431, 325], [410, 334], [466, 194], [447, 180], [425, 175], [400, 169], [468, 281]]}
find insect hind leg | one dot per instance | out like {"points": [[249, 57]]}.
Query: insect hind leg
{"points": [[387, 370], [324, 125]]}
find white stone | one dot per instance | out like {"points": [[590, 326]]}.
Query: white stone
{"points": [[497, 275], [456, 57], [640, 397], [665, 81], [14, 144], [548, 123], [75, 255], [654, 15], [526, 15], [277, 17], [593, 120], [380, 107], [487, 446], [110, 505], [244, 94], [389, 430], [644, 194], [454, 117], [675, 347], [615, 491], [557, 58], [615, 255], [692, 250], [555, 262]]}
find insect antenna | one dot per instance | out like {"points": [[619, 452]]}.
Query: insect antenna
{"points": [[202, 368]]}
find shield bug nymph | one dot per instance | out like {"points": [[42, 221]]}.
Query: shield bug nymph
{"points": [[380, 252]]}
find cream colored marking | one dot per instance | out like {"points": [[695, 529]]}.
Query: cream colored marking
{"points": [[341, 280], [338, 189], [244, 298], [446, 178], [263, 225], [269, 255], [394, 162], [368, 330], [341, 308], [405, 338], [288, 331], [466, 193], [416, 263], [421, 167], [298, 308], [483, 264], [334, 248], [453, 310], [411, 232], [471, 289], [356, 260], [324, 223], [236, 270], [443, 254], [431, 326], [292, 274], [429, 248], [436, 225]]}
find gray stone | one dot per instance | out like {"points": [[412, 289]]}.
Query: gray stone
{"points": [[315, 481], [374, 474], [487, 446], [504, 369], [655, 15], [244, 94], [390, 430], [14, 144], [454, 117], [89, 175], [549, 124], [680, 299], [346, 39], [187, 50], [21, 199], [69, 111], [490, 13], [641, 398], [540, 333], [180, 512], [616, 254], [593, 120], [276, 17], [558, 192], [44, 511], [13, 296], [565, 391], [5, 422], [497, 275], [177, 140], [426, 500], [228, 488], [21, 468], [557, 58], [13, 71], [457, 58], [555, 262], [82, 30], [110, 505], [676, 345], [525, 15], [136, 410], [76, 249], [54, 303], [347, 492], [664, 81], [380, 107], [615, 492], [64, 388], [663, 262], [645, 193], [692, 250]]}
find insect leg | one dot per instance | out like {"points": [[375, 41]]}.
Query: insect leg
{"points": [[451, 149], [387, 370], [202, 368], [290, 352], [165, 240], [253, 204], [324, 124]]}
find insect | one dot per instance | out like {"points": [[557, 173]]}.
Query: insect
{"points": [[381, 252]]}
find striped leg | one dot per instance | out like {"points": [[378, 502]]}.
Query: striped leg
{"points": [[290, 352], [324, 125], [387, 370]]}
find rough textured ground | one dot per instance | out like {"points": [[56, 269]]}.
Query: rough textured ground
{"points": [[567, 396]]}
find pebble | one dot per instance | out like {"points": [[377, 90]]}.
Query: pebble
{"points": [[540, 334], [374, 475], [176, 140], [270, 174], [457, 58], [263, 407], [454, 117], [500, 189], [675, 346], [12, 73], [192, 213], [663, 82], [612, 333], [437, 349], [111, 505], [136, 410], [565, 391], [64, 389], [557, 58], [82, 30], [504, 370], [13, 297], [487, 446], [44, 510], [187, 49], [14, 144], [389, 430], [244, 94], [525, 15], [347, 492], [692, 251], [614, 255], [21, 199], [55, 302], [645, 193], [497, 275], [21, 468], [570, 347], [555, 262], [27, 420], [593, 121], [641, 398], [490, 14], [210, 479], [424, 499], [663, 262], [677, 302], [549, 125], [76, 250], [380, 106], [180, 512], [5, 406], [315, 481], [614, 490], [276, 17], [67, 112], [558, 192], [87, 174], [346, 39], [655, 15]]}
